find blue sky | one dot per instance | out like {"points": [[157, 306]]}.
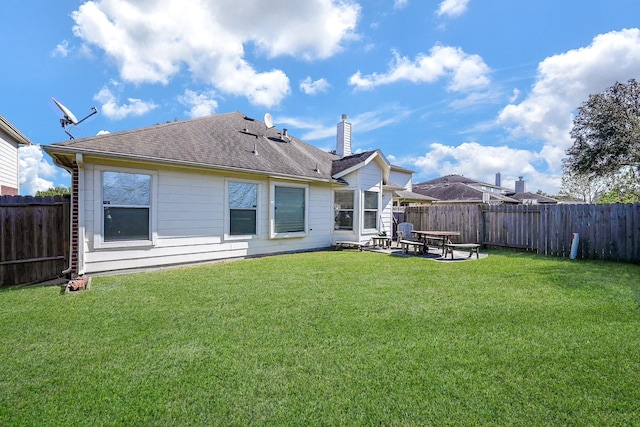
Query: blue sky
{"points": [[472, 87]]}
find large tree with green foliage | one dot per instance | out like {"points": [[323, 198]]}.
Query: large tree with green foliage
{"points": [[606, 132]]}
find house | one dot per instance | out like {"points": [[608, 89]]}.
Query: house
{"points": [[218, 187], [458, 189], [10, 140], [527, 198]]}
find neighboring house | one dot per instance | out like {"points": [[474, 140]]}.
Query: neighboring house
{"points": [[218, 187], [527, 198], [10, 140], [458, 189]]}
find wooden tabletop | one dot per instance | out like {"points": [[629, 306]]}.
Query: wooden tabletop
{"points": [[437, 233]]}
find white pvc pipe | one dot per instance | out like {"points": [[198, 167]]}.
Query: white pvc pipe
{"points": [[574, 246]]}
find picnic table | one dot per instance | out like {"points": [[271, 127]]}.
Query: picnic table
{"points": [[442, 237]]}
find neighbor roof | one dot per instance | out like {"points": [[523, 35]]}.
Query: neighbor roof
{"points": [[450, 179], [531, 196], [460, 193], [228, 141]]}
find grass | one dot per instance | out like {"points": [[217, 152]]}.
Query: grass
{"points": [[330, 338]]}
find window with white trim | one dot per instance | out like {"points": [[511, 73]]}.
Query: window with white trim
{"points": [[243, 208], [289, 209], [343, 209], [371, 209], [126, 206]]}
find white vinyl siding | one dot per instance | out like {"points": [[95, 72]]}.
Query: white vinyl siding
{"points": [[8, 163], [191, 212]]}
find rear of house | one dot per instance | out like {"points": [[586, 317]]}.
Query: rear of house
{"points": [[218, 187]]}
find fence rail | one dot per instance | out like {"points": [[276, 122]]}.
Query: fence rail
{"points": [[34, 238], [610, 232]]}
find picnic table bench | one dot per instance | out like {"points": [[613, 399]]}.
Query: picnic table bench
{"points": [[472, 247], [417, 246], [442, 237]]}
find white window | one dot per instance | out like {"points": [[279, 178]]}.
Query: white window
{"points": [[371, 201], [125, 202], [243, 208], [343, 209], [289, 210]]}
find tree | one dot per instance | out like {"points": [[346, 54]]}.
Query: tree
{"points": [[582, 187], [57, 191], [606, 132], [624, 187]]}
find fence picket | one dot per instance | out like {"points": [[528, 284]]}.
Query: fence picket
{"points": [[34, 238], [609, 232]]}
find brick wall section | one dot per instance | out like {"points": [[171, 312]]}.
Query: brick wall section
{"points": [[74, 221], [8, 191]]}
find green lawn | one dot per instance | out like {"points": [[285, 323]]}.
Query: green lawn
{"points": [[330, 338]]}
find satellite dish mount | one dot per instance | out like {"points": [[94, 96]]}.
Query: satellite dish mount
{"points": [[69, 118]]}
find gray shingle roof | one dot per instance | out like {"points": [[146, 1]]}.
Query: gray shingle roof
{"points": [[531, 196], [224, 141], [450, 179], [459, 192], [349, 161]]}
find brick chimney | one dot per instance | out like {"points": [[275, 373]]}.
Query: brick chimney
{"points": [[343, 145]]}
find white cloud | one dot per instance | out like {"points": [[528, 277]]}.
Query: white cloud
{"points": [[152, 43], [202, 104], [361, 123], [400, 4], [452, 7], [313, 87], [466, 72], [113, 110], [34, 169], [514, 95], [563, 82], [483, 162], [62, 49]]}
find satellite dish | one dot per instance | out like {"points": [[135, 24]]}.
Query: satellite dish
{"points": [[68, 115], [70, 118], [268, 120]]}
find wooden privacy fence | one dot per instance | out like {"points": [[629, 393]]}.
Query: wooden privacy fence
{"points": [[34, 238], [610, 232]]}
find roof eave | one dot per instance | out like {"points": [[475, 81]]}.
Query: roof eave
{"points": [[13, 132], [55, 151]]}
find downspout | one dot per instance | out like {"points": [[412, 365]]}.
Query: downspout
{"points": [[70, 266], [80, 248], [79, 162]]}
